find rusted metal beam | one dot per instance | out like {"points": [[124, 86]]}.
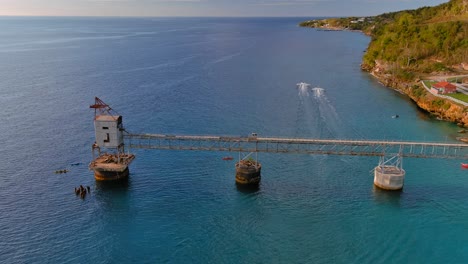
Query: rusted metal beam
{"points": [[298, 145]]}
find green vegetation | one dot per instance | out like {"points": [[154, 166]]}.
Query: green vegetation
{"points": [[410, 45], [455, 80], [418, 91], [425, 40], [460, 96], [429, 83], [438, 102]]}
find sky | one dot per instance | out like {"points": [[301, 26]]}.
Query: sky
{"points": [[222, 8]]}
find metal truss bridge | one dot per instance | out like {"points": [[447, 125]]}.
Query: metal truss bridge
{"points": [[298, 145]]}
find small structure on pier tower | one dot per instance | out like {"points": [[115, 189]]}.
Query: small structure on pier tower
{"points": [[112, 164]]}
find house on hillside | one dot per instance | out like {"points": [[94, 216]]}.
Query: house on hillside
{"points": [[443, 88]]}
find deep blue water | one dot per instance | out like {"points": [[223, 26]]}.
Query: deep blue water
{"points": [[215, 76]]}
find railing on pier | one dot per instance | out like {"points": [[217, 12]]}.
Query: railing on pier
{"points": [[298, 145]]}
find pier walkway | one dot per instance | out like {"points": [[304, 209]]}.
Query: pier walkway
{"points": [[298, 145]]}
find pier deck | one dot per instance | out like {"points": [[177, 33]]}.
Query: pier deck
{"points": [[298, 145]]}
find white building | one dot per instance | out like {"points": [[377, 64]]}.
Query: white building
{"points": [[109, 131]]}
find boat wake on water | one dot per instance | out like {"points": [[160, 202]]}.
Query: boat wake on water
{"points": [[317, 92], [316, 115], [331, 121], [303, 88], [307, 122]]}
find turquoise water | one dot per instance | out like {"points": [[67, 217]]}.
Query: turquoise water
{"points": [[223, 77]]}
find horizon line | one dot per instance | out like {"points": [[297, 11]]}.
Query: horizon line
{"points": [[127, 16]]}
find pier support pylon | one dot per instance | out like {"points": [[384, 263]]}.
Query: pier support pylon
{"points": [[248, 171], [389, 174]]}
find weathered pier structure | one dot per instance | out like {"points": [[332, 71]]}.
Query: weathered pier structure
{"points": [[388, 174], [111, 162], [298, 145]]}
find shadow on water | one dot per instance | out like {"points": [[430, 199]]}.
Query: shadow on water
{"points": [[424, 115], [119, 186], [387, 197], [248, 189], [113, 196]]}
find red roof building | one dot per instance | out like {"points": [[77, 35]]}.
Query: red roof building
{"points": [[444, 88]]}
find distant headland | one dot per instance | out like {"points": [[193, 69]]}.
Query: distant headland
{"points": [[414, 51]]}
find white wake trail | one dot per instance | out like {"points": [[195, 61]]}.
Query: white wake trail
{"points": [[318, 92], [330, 118], [303, 89], [307, 117]]}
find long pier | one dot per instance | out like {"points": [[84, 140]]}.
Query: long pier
{"points": [[298, 145], [389, 173]]}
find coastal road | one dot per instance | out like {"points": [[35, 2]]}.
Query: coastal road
{"points": [[461, 88]]}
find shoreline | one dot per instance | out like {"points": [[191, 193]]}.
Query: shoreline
{"points": [[442, 109]]}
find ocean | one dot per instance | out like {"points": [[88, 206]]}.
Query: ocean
{"points": [[212, 76]]}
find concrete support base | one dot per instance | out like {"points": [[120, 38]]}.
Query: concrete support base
{"points": [[102, 175], [248, 173], [389, 177]]}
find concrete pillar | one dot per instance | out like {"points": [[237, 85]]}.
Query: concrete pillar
{"points": [[248, 172], [389, 174], [389, 177]]}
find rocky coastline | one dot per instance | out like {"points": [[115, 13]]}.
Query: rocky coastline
{"points": [[440, 108]]}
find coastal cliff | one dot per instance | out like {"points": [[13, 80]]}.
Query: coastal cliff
{"points": [[441, 108], [412, 45]]}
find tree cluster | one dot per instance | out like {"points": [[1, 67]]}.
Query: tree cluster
{"points": [[425, 40], [429, 39]]}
